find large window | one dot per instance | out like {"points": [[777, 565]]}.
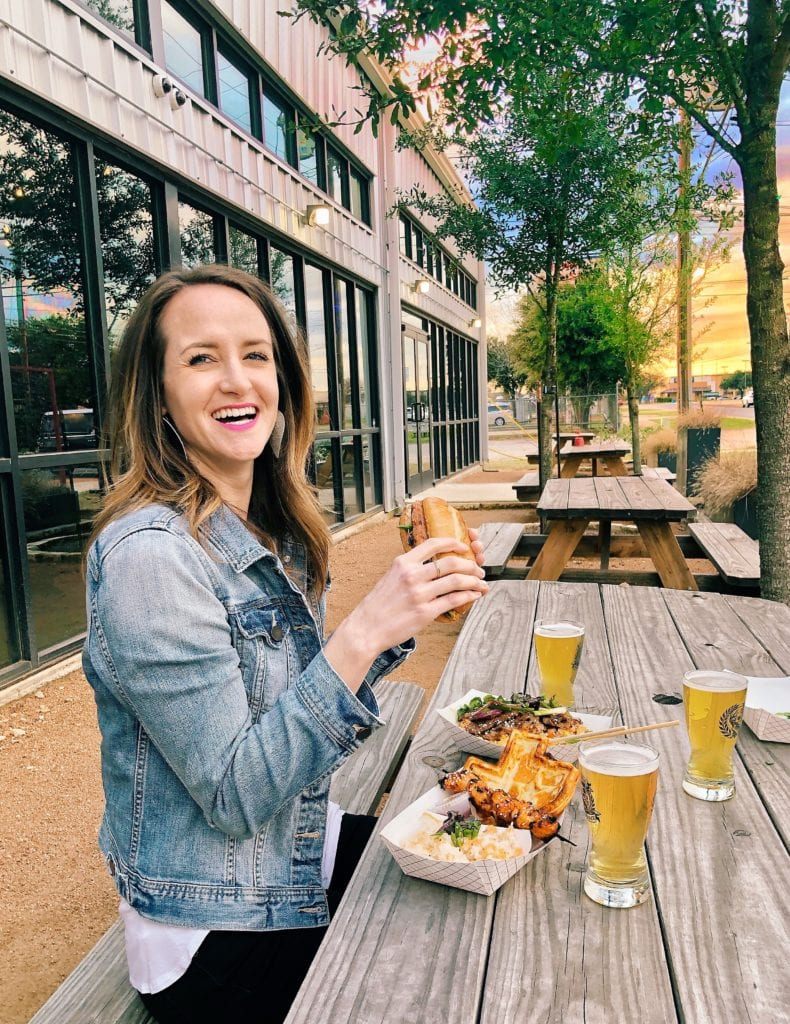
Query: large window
{"points": [[129, 253], [119, 13], [340, 333], [42, 274], [185, 48], [235, 91]]}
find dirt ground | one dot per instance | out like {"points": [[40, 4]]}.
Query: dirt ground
{"points": [[56, 899]]}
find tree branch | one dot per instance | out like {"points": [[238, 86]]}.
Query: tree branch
{"points": [[782, 49], [724, 55], [699, 116]]}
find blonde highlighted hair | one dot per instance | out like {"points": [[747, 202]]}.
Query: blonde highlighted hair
{"points": [[148, 464]]}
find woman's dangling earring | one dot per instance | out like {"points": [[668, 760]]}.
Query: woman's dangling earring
{"points": [[168, 422], [277, 434]]}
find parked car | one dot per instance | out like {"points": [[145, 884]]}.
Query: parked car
{"points": [[77, 431], [748, 398], [496, 416], [711, 396]]}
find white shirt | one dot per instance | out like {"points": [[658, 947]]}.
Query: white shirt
{"points": [[159, 954]]}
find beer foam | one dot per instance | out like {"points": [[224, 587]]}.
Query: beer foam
{"points": [[559, 630], [709, 679], [622, 759]]}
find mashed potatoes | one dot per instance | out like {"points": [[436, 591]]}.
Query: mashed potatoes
{"points": [[491, 843]]}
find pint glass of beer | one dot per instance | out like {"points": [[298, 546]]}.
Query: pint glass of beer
{"points": [[558, 646], [618, 788], [713, 703]]}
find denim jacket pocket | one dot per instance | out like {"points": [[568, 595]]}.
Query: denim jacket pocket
{"points": [[260, 635]]}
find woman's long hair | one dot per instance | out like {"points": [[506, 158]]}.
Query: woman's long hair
{"points": [[148, 464]]}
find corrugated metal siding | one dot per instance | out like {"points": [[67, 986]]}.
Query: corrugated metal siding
{"points": [[70, 58]]}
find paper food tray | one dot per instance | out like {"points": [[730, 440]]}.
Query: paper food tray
{"points": [[482, 876], [764, 698], [486, 748]]}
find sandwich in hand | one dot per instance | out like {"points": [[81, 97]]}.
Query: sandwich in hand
{"points": [[433, 517]]}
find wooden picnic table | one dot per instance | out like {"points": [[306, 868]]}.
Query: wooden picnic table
{"points": [[650, 502], [610, 453], [710, 946]]}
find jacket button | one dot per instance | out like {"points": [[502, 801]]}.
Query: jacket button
{"points": [[362, 731], [277, 633]]}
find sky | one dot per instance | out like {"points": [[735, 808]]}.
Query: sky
{"points": [[719, 325]]}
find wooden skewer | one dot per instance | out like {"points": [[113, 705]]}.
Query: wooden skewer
{"points": [[606, 733]]}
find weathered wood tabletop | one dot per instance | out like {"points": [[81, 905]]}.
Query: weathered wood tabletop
{"points": [[650, 502], [711, 945]]}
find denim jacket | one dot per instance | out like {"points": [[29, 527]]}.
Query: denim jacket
{"points": [[221, 722]]}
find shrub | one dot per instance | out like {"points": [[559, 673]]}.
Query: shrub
{"points": [[660, 441], [699, 419], [721, 482]]}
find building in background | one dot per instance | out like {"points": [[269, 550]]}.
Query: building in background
{"points": [[138, 135]]}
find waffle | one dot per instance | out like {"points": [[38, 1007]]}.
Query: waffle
{"points": [[526, 772]]}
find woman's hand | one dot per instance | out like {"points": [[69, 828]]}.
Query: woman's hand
{"points": [[412, 593]]}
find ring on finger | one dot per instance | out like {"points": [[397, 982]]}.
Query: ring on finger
{"points": [[438, 570]]}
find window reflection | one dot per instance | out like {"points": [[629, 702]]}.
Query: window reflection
{"points": [[243, 250], [119, 13], [316, 338], [59, 507], [352, 483], [343, 354], [127, 242], [234, 92], [9, 644], [308, 154], [363, 301], [275, 125], [197, 236], [183, 49], [324, 452], [337, 176], [282, 279], [41, 278]]}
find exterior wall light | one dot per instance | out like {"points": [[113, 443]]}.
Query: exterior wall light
{"points": [[318, 215], [476, 322], [422, 286]]}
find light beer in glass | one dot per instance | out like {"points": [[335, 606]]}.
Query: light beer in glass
{"points": [[558, 646], [713, 704], [618, 788]]}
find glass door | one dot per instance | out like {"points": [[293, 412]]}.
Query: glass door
{"points": [[416, 400]]}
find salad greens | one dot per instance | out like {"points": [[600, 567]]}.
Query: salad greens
{"points": [[491, 706], [458, 828]]}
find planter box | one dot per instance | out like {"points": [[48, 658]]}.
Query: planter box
{"points": [[668, 460], [744, 514], [702, 445]]}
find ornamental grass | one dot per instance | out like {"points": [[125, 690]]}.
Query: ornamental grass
{"points": [[722, 481]]}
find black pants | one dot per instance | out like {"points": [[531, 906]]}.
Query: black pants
{"points": [[254, 976]]}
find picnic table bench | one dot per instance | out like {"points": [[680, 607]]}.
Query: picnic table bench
{"points": [[711, 946], [499, 541], [733, 552], [528, 487], [98, 990], [651, 503]]}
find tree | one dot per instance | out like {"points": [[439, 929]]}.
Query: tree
{"points": [[692, 55], [553, 179], [502, 369], [588, 364], [739, 381]]}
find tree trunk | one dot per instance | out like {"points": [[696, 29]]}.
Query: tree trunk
{"points": [[770, 352], [550, 379], [633, 418]]}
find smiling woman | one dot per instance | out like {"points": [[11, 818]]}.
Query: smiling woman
{"points": [[222, 708]]}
